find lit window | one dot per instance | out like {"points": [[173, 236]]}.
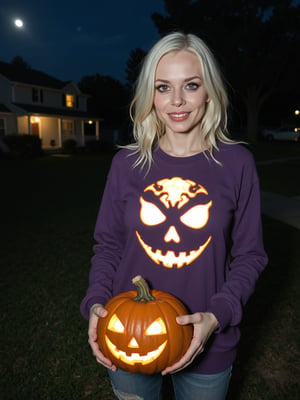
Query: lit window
{"points": [[70, 100]]}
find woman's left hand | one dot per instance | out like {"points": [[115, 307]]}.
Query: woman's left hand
{"points": [[204, 325]]}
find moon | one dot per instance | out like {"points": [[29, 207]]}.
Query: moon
{"points": [[19, 23]]}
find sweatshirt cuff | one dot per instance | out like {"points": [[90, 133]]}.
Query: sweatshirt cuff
{"points": [[86, 306], [222, 311]]}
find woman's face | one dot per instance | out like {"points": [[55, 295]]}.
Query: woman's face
{"points": [[180, 97]]}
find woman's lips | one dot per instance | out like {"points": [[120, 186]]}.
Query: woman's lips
{"points": [[179, 116]]}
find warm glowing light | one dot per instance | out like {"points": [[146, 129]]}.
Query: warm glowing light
{"points": [[170, 258], [70, 100], [116, 325], [90, 122], [297, 112], [135, 358], [157, 327], [133, 343], [197, 216], [172, 234], [150, 214], [176, 191], [34, 119], [19, 23]]}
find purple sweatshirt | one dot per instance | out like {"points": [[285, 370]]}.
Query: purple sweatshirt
{"points": [[190, 227]]}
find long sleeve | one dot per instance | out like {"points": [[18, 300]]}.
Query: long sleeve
{"points": [[110, 239], [247, 258]]}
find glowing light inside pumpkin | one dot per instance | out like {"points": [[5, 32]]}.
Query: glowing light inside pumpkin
{"points": [[135, 358], [115, 325], [133, 344], [157, 327]]}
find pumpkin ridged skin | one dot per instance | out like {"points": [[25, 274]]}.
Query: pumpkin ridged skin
{"points": [[136, 317]]}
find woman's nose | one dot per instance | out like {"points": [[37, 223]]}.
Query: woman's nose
{"points": [[178, 98]]}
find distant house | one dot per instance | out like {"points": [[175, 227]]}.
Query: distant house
{"points": [[34, 103]]}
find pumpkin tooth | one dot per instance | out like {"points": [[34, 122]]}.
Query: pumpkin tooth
{"points": [[135, 358]]}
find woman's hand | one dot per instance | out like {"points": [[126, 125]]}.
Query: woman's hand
{"points": [[204, 325], [98, 311]]}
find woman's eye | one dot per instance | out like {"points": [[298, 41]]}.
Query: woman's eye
{"points": [[192, 86], [162, 88]]}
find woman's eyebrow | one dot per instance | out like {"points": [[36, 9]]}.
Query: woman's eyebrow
{"points": [[186, 80]]}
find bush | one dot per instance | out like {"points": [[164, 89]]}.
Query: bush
{"points": [[69, 146], [25, 146]]}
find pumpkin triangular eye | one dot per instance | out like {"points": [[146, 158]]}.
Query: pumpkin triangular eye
{"points": [[115, 325], [197, 216], [150, 214], [157, 327]]}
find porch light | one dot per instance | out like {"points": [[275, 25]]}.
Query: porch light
{"points": [[34, 119], [297, 112], [90, 122]]}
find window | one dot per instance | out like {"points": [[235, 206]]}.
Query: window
{"points": [[67, 128], [70, 100], [37, 95], [2, 127]]}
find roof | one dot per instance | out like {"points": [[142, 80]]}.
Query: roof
{"points": [[17, 73], [35, 109], [3, 108]]}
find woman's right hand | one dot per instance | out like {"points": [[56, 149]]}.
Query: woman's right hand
{"points": [[98, 311]]}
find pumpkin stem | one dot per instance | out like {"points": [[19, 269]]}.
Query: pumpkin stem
{"points": [[143, 290]]}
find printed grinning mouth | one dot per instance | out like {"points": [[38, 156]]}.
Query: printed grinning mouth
{"points": [[170, 259]]}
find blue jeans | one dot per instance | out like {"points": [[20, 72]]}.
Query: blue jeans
{"points": [[187, 386]]}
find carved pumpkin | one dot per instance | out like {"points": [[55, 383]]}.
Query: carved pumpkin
{"points": [[185, 199], [140, 332]]}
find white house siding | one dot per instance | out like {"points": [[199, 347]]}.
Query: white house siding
{"points": [[49, 131], [22, 125], [11, 124]]}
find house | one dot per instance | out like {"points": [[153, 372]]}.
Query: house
{"points": [[34, 103]]}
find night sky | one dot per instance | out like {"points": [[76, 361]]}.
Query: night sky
{"points": [[69, 39]]}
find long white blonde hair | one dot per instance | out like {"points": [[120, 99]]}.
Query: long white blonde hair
{"points": [[147, 127]]}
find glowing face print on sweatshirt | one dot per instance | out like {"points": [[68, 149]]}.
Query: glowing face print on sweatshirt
{"points": [[178, 207]]}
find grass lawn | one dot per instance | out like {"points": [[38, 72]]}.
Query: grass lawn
{"points": [[48, 212]]}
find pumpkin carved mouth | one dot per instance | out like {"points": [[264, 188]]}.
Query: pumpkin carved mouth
{"points": [[135, 358], [170, 258]]}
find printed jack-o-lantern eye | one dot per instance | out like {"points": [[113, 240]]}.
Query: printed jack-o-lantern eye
{"points": [[157, 327], [115, 325], [150, 214], [197, 216]]}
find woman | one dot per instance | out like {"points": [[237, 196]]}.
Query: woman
{"points": [[181, 207]]}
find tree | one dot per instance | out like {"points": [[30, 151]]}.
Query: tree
{"points": [[133, 65], [20, 62], [254, 41], [109, 98]]}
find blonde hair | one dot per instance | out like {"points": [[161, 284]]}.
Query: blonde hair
{"points": [[147, 128]]}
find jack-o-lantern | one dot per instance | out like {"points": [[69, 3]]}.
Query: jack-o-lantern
{"points": [[182, 196], [140, 332]]}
